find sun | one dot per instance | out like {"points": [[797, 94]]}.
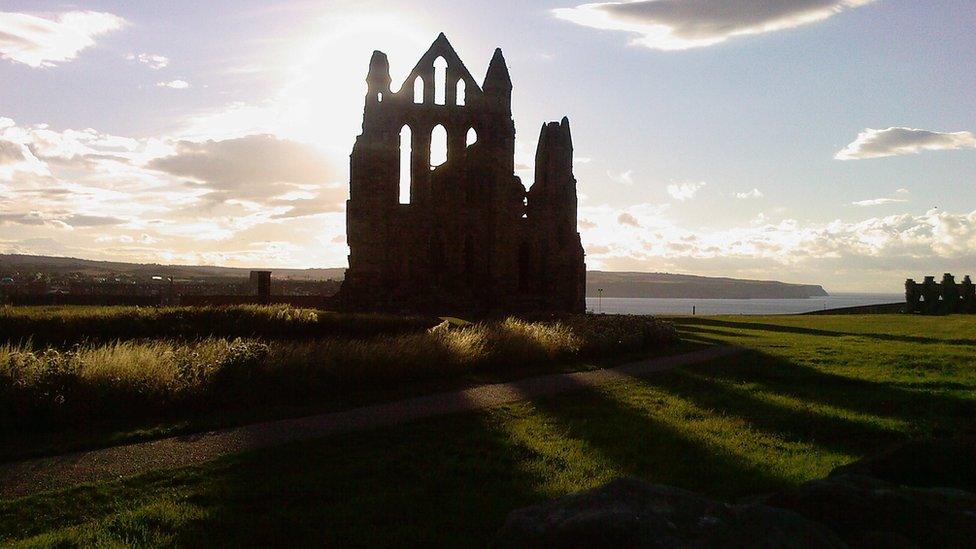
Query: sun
{"points": [[327, 87]]}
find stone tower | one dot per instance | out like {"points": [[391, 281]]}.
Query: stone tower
{"points": [[463, 235]]}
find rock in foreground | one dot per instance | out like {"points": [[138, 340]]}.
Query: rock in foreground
{"points": [[869, 512], [912, 495], [632, 513]]}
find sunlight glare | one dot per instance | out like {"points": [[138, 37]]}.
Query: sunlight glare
{"points": [[332, 77]]}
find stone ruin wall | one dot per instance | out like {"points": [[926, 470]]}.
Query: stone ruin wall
{"points": [[945, 297], [468, 237]]}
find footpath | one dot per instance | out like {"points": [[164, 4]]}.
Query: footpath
{"points": [[33, 476]]}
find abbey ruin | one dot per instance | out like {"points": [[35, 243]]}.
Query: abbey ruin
{"points": [[946, 297], [459, 233]]}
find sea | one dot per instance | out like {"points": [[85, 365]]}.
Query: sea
{"points": [[687, 306]]}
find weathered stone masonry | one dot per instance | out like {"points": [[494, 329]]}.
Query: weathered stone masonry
{"points": [[469, 237]]}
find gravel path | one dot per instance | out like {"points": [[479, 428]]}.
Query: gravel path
{"points": [[59, 472]]}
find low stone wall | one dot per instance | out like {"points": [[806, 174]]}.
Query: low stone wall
{"points": [[302, 301], [882, 309], [93, 300]]}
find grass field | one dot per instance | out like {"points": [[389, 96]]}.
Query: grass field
{"points": [[814, 392], [55, 398]]}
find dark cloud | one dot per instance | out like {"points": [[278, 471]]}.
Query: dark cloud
{"points": [[691, 23], [57, 218], [897, 141], [32, 218], [255, 167], [697, 19], [50, 192], [78, 220], [628, 219], [10, 153]]}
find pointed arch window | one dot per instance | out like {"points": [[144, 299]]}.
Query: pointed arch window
{"points": [[405, 156], [418, 90], [459, 97], [438, 146], [471, 138], [440, 81]]}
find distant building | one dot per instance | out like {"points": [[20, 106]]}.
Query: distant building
{"points": [[464, 234], [261, 283]]}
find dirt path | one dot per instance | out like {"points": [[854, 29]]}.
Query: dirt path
{"points": [[58, 472]]}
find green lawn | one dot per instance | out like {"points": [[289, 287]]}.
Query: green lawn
{"points": [[813, 393]]}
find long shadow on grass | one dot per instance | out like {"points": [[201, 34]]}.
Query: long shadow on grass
{"points": [[447, 481], [924, 410], [453, 480], [642, 446], [692, 330], [697, 321], [802, 424]]}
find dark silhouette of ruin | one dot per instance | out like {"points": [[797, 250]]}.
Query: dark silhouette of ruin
{"points": [[461, 235], [946, 297]]}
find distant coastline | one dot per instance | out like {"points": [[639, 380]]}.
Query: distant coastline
{"points": [[613, 284], [666, 285]]}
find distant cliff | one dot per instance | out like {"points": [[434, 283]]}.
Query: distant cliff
{"points": [[65, 265], [690, 286], [613, 284]]}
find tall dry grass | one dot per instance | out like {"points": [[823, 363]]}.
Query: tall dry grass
{"points": [[46, 387], [67, 325]]}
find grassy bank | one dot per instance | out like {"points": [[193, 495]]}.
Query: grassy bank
{"points": [[813, 393], [68, 325], [49, 388]]}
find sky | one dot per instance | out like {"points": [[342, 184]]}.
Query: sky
{"points": [[814, 141]]}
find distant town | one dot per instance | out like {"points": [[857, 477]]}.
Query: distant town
{"points": [[36, 280], [43, 280]]}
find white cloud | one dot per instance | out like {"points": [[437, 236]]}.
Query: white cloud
{"points": [[101, 196], [175, 84], [900, 197], [879, 201], [754, 193], [877, 253], [624, 178], [153, 61], [264, 200], [684, 191], [42, 42], [683, 24], [15, 155], [898, 141]]}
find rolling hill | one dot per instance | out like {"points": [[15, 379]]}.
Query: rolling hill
{"points": [[614, 284]]}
